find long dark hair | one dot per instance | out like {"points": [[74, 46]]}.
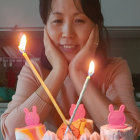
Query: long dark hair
{"points": [[92, 9]]}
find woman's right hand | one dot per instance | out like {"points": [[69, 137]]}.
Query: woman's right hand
{"points": [[54, 56]]}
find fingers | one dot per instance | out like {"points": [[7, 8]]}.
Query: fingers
{"points": [[96, 35], [93, 39], [46, 37], [47, 41]]}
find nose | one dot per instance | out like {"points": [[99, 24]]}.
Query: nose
{"points": [[68, 30]]}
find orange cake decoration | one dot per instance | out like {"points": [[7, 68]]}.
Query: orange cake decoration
{"points": [[79, 126]]}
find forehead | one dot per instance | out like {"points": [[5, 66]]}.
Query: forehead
{"points": [[70, 6]]}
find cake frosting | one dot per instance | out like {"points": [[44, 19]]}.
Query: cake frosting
{"points": [[86, 136], [80, 124], [49, 135], [80, 129], [116, 129], [108, 133], [30, 132], [34, 130]]}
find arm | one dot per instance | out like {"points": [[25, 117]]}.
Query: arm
{"points": [[25, 96], [58, 61], [29, 93], [78, 71], [119, 90]]}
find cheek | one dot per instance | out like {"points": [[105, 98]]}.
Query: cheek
{"points": [[83, 35]]}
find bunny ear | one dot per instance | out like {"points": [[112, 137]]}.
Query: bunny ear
{"points": [[26, 111], [111, 109], [71, 109], [122, 107], [81, 106], [34, 109]]}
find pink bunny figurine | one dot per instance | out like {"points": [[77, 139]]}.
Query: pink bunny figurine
{"points": [[116, 118], [80, 113], [31, 118]]}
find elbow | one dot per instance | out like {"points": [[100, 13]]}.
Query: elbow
{"points": [[8, 134], [136, 128]]}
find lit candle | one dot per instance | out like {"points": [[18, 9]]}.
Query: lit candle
{"points": [[22, 50], [90, 73]]}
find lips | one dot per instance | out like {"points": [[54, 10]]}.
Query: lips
{"points": [[69, 48]]}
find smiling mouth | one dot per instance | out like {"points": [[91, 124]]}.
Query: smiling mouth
{"points": [[69, 48]]}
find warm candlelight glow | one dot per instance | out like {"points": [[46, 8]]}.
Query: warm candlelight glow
{"points": [[90, 73], [91, 68], [22, 44]]}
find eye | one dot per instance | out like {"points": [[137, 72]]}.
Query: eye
{"points": [[57, 21], [79, 21]]}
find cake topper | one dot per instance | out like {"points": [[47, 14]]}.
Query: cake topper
{"points": [[116, 118], [80, 112], [31, 118]]}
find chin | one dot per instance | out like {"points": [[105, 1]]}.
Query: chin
{"points": [[69, 58]]}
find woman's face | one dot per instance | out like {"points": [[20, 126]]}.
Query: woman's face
{"points": [[68, 28]]}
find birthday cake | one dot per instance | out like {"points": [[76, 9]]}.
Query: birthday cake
{"points": [[34, 130], [30, 132], [79, 126], [116, 129]]}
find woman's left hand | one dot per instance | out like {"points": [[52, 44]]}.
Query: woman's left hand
{"points": [[81, 61]]}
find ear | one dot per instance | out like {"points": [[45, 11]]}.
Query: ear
{"points": [[111, 109], [34, 109], [122, 107], [26, 111]]}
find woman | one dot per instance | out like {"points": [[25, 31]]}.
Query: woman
{"points": [[72, 37]]}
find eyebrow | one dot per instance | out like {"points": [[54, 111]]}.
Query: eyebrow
{"points": [[59, 13]]}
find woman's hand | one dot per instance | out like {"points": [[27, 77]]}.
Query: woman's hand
{"points": [[81, 61], [78, 68], [54, 56]]}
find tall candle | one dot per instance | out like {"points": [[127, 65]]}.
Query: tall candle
{"points": [[22, 50], [90, 73]]}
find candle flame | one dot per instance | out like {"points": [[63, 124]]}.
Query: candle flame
{"points": [[91, 68], [22, 44]]}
